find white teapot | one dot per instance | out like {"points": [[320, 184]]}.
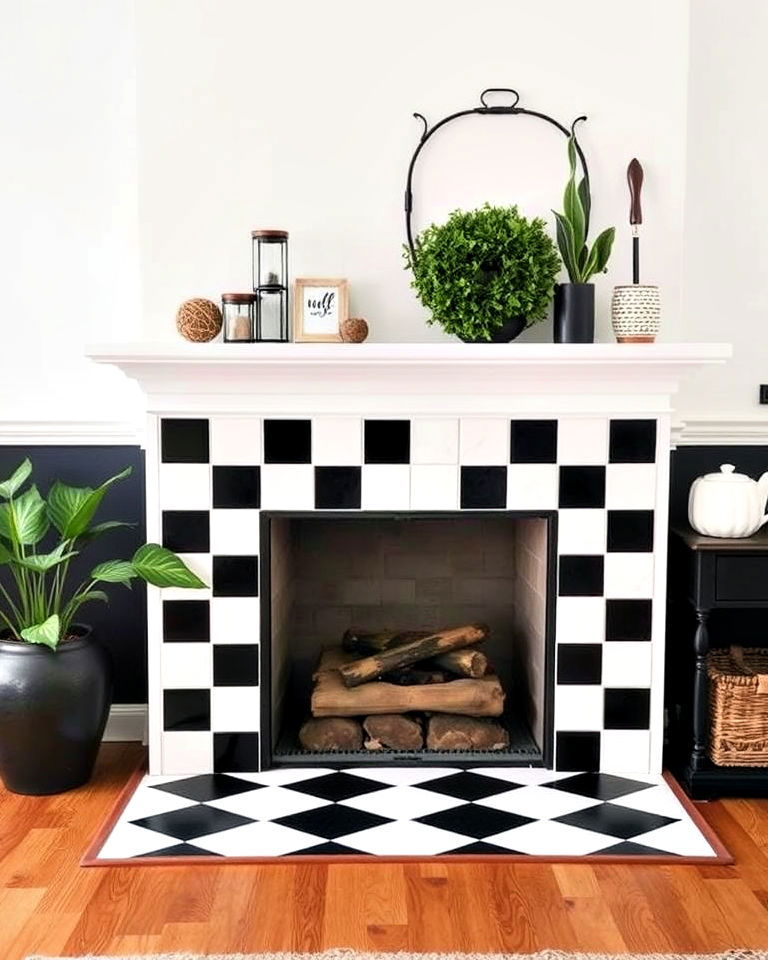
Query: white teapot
{"points": [[727, 504]]}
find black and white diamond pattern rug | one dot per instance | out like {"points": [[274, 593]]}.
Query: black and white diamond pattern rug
{"points": [[404, 812]]}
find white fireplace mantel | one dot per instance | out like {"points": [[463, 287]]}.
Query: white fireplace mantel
{"points": [[224, 377]]}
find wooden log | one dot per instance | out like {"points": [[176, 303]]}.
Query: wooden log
{"points": [[331, 733], [364, 642], [369, 668], [451, 732], [414, 677], [483, 697], [393, 731], [463, 663]]}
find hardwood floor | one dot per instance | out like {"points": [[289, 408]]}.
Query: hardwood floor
{"points": [[50, 905]]}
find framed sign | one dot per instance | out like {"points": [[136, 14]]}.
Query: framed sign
{"points": [[319, 306]]}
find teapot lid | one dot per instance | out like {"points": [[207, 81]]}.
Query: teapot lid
{"points": [[727, 475]]}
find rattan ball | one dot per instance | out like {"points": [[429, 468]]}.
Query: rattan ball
{"points": [[198, 320], [353, 330]]}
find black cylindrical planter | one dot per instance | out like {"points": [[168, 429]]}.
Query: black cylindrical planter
{"points": [[53, 709], [574, 313]]}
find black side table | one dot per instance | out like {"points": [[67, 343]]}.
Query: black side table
{"points": [[707, 574]]}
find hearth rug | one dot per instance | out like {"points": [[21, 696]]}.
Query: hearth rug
{"points": [[404, 812]]}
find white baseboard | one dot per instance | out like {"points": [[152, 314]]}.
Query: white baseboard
{"points": [[127, 721]]}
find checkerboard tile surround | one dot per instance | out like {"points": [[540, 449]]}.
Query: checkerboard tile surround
{"points": [[598, 475], [404, 812]]}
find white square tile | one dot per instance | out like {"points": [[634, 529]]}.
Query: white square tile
{"points": [[538, 802], [525, 776], [532, 486], [186, 665], [484, 441], [434, 440], [236, 441], [257, 840], [630, 486], [402, 803], [657, 799], [682, 838], [147, 802], [627, 664], [404, 838], [283, 776], [624, 751], [127, 840], [582, 441], [434, 487], [186, 752], [268, 803], [628, 576], [234, 532], [548, 838], [199, 563], [578, 707], [582, 531], [580, 620], [337, 441], [235, 709], [235, 619], [386, 486], [287, 486], [185, 486]]}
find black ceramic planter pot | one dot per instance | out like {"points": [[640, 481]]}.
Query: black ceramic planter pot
{"points": [[53, 709], [508, 331], [574, 313]]}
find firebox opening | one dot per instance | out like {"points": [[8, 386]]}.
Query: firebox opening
{"points": [[326, 573]]}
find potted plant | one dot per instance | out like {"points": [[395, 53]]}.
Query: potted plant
{"points": [[485, 274], [575, 301], [55, 683]]}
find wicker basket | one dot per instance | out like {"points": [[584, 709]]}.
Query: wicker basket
{"points": [[738, 706]]}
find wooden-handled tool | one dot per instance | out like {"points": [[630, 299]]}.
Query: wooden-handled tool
{"points": [[635, 181]]}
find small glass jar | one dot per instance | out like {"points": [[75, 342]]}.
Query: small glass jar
{"points": [[270, 258], [272, 315], [238, 312]]}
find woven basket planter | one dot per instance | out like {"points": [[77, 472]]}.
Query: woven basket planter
{"points": [[738, 705]]}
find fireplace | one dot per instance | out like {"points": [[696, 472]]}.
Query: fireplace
{"points": [[328, 574], [564, 446]]}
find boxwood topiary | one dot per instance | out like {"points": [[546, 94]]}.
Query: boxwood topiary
{"points": [[482, 268]]}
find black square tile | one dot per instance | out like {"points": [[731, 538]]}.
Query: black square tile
{"points": [[237, 488], [479, 847], [184, 441], [579, 663], [186, 621], [337, 488], [628, 619], [578, 751], [627, 848], [186, 710], [483, 488], [467, 786], [337, 786], [206, 786], [236, 665], [582, 486], [616, 821], [332, 821], [475, 821], [187, 531], [627, 709], [632, 441], [533, 441], [599, 786], [287, 441], [236, 753], [581, 576], [235, 576], [387, 441], [192, 822], [180, 850], [327, 849], [630, 531]]}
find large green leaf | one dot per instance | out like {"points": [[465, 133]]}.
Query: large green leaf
{"points": [[5, 554], [567, 249], [573, 211], [9, 487], [114, 571], [72, 508], [46, 561], [25, 519], [162, 568], [46, 633], [98, 528], [586, 203], [600, 252]]}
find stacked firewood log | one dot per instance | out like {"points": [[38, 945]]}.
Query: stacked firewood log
{"points": [[410, 690]]}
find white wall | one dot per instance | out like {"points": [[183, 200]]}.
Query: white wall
{"points": [[726, 209], [146, 138]]}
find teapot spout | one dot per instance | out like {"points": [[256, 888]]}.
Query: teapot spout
{"points": [[762, 486]]}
